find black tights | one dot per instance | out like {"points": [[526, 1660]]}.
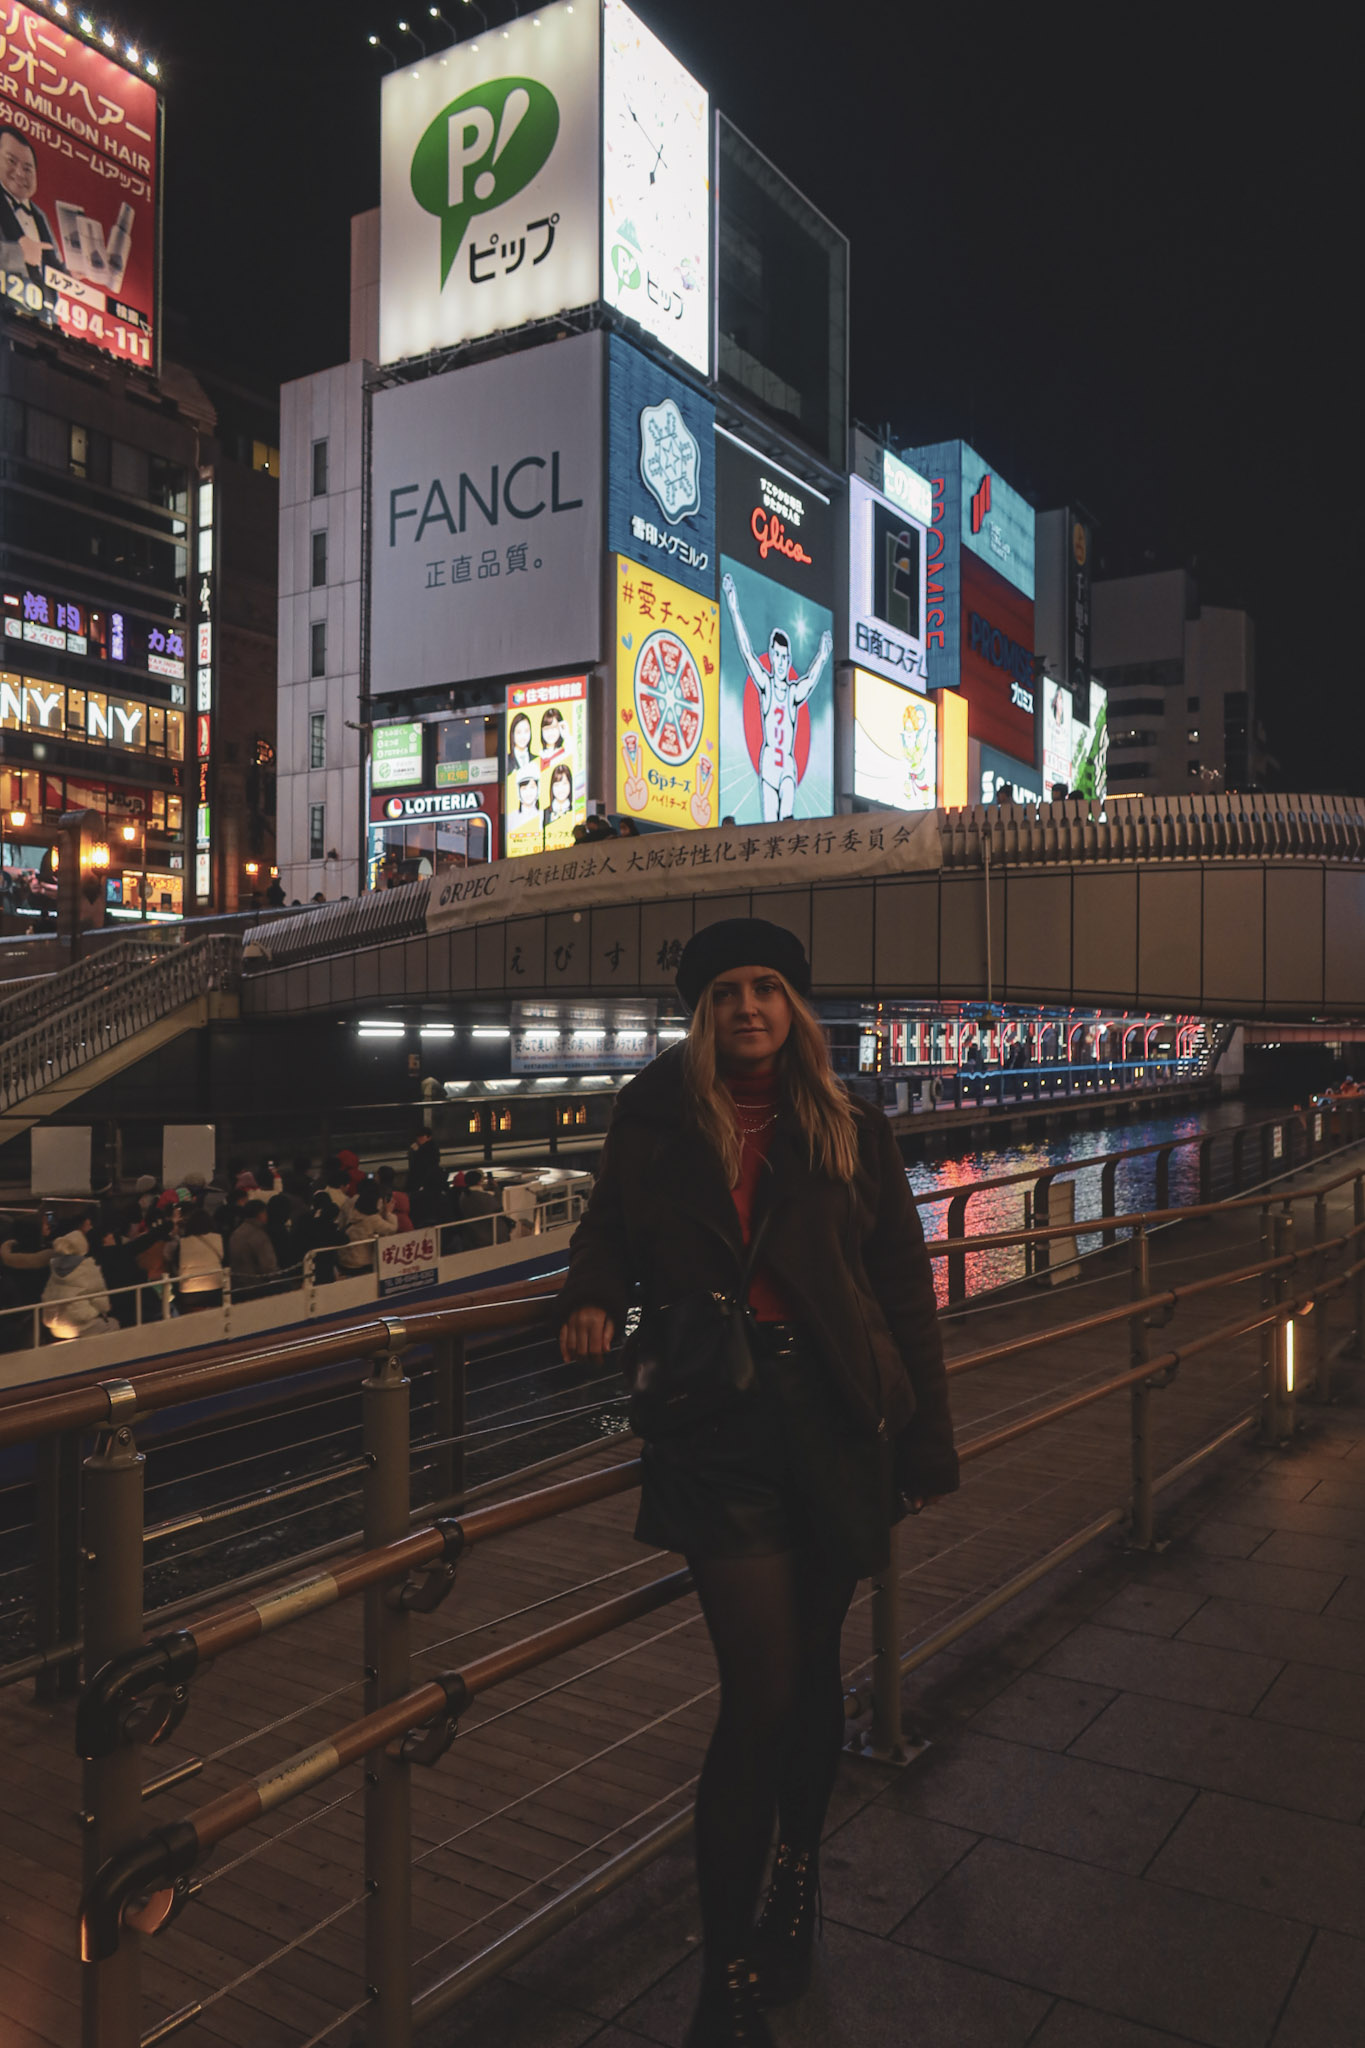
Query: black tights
{"points": [[775, 1623]]}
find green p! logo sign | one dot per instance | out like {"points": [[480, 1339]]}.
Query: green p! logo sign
{"points": [[480, 151]]}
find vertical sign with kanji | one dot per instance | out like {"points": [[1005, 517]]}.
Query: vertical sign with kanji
{"points": [[667, 700]]}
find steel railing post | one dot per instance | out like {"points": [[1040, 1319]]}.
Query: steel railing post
{"points": [[57, 1527], [111, 1997], [1277, 1426], [957, 1261], [1141, 1534], [448, 1386], [1358, 1253], [385, 1402], [1042, 1251], [886, 1738], [1109, 1174], [1322, 1349]]}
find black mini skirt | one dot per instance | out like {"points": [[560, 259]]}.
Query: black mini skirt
{"points": [[787, 1468]]}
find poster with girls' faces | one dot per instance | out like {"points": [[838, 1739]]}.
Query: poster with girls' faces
{"points": [[545, 777]]}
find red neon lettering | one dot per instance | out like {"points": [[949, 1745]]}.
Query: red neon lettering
{"points": [[936, 640], [772, 535]]}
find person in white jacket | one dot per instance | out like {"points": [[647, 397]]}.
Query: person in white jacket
{"points": [[77, 1302], [370, 1220], [199, 1263]]}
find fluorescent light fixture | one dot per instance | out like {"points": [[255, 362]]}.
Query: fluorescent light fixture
{"points": [[457, 1087], [595, 1035], [436, 1030], [502, 1084], [551, 1080], [491, 1031], [671, 1037], [378, 1031], [381, 1024]]}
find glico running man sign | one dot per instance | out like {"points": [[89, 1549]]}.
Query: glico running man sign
{"points": [[79, 168]]}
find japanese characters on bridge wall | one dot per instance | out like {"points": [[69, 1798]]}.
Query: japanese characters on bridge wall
{"points": [[656, 188], [667, 699], [777, 621], [661, 483], [79, 189], [486, 524], [489, 183]]}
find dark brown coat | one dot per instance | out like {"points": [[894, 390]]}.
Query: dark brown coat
{"points": [[850, 1258]]}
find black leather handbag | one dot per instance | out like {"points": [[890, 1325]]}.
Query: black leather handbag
{"points": [[692, 1361]]}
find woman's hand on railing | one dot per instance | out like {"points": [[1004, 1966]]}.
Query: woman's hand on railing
{"points": [[587, 1333]]}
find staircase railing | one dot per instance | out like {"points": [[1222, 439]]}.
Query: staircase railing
{"points": [[49, 994], [111, 1013]]}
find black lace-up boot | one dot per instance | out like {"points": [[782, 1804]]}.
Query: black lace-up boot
{"points": [[785, 1937], [728, 2015]]}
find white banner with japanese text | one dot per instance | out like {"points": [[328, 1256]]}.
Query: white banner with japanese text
{"points": [[657, 864]]}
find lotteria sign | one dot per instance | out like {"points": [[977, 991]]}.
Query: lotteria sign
{"points": [[489, 213], [429, 803]]}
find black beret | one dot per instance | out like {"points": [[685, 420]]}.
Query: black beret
{"points": [[740, 942]]}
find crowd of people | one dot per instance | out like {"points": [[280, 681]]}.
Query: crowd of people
{"points": [[250, 1230]]}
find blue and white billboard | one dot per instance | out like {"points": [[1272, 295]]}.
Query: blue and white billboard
{"points": [[973, 508], [1000, 772], [661, 485]]}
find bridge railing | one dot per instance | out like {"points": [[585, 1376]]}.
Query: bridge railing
{"points": [[1255, 1154], [1235, 826], [47, 995], [137, 1690], [114, 1010]]}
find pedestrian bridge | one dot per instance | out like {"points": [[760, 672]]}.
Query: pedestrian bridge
{"points": [[1235, 906]]}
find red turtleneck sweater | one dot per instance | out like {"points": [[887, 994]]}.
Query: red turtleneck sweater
{"points": [[757, 1101]]}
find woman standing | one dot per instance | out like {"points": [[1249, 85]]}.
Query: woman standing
{"points": [[740, 1150]]}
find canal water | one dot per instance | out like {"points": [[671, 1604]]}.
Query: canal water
{"points": [[998, 1209]]}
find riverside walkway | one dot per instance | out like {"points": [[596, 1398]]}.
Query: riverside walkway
{"points": [[1137, 1819]]}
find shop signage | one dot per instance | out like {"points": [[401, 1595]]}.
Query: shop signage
{"points": [[886, 587], [772, 521], [895, 744], [411, 1259], [427, 803], [667, 699], [396, 760]]}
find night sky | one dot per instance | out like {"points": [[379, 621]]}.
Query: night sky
{"points": [[1103, 246]]}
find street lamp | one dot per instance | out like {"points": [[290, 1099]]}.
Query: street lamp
{"points": [[375, 44], [18, 819], [99, 855]]}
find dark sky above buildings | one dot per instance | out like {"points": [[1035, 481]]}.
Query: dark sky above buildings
{"points": [[1109, 247]]}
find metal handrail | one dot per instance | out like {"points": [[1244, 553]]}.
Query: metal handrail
{"points": [[81, 1031], [46, 994]]}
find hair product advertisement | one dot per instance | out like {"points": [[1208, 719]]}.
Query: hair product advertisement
{"points": [[546, 786], [667, 700], [79, 187]]}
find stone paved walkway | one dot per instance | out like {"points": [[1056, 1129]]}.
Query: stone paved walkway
{"points": [[1139, 1821]]}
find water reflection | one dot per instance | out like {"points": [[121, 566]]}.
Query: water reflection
{"points": [[997, 1209]]}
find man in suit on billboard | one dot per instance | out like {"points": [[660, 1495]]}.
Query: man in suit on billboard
{"points": [[26, 241]]}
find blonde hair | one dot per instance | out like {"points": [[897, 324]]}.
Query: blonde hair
{"points": [[806, 1080]]}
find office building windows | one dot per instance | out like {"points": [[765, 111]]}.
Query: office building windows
{"points": [[317, 830], [319, 469], [317, 739], [319, 560], [317, 648]]}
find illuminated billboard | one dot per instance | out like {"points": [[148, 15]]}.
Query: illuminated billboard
{"points": [[776, 639], [667, 699], [1075, 751], [886, 587], [977, 518], [485, 547], [489, 183], [661, 472], [546, 780], [996, 664], [79, 171], [1005, 780], [895, 744], [656, 189], [1057, 723], [396, 760]]}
